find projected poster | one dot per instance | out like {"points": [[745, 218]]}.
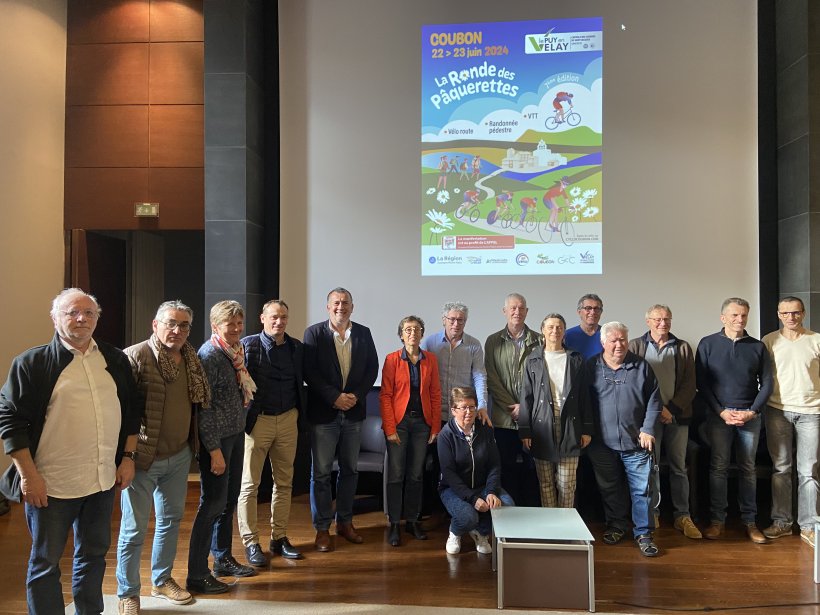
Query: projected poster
{"points": [[511, 148]]}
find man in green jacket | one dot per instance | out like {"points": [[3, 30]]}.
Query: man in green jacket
{"points": [[504, 355]]}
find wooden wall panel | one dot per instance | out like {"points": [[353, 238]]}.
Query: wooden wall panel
{"points": [[176, 73], [135, 114], [103, 199], [107, 21], [177, 20], [177, 136], [115, 136], [180, 194], [107, 74]]}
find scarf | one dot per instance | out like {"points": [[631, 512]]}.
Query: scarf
{"points": [[236, 354], [198, 390]]}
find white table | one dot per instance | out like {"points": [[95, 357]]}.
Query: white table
{"points": [[544, 558]]}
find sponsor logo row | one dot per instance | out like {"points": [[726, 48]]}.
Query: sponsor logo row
{"points": [[521, 259]]}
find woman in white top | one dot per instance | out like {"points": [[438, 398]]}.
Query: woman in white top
{"points": [[554, 421]]}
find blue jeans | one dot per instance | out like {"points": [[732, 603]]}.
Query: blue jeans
{"points": [[405, 466], [324, 438], [623, 476], [465, 518], [165, 484], [782, 429], [213, 525], [90, 517], [721, 437], [674, 438]]}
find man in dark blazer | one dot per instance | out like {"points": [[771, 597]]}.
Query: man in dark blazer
{"points": [[340, 368]]}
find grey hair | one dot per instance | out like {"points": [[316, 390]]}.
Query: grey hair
{"points": [[613, 326], [659, 307], [340, 291], [66, 292], [518, 296], [456, 306], [737, 300], [175, 304], [589, 297], [553, 315]]}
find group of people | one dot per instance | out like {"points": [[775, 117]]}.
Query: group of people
{"points": [[509, 421]]}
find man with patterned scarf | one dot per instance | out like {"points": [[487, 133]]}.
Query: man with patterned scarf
{"points": [[170, 378]]}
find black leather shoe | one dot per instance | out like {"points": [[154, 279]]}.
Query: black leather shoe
{"points": [[394, 537], [229, 567], [255, 556], [414, 528], [208, 585], [282, 546]]}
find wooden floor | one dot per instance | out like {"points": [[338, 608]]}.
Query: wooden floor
{"points": [[689, 576]]}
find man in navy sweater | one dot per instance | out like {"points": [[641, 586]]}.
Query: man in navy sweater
{"points": [[734, 377]]}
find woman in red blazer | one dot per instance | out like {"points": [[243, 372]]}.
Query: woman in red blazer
{"points": [[410, 405]]}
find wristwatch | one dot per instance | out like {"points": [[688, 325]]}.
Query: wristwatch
{"points": [[132, 455]]}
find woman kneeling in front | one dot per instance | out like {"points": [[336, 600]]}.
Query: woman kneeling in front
{"points": [[470, 473]]}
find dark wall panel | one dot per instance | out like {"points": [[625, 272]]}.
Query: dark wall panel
{"points": [[103, 199], [107, 74], [176, 75], [107, 21], [178, 20], [180, 193], [107, 136], [176, 136]]}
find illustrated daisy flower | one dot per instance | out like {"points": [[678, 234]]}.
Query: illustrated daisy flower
{"points": [[574, 191], [588, 194], [590, 212], [575, 218], [440, 219], [456, 190], [579, 202], [443, 196], [431, 190]]}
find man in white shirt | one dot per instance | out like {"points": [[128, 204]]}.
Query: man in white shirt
{"points": [[793, 420], [69, 418]]}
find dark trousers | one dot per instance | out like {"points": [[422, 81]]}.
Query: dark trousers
{"points": [[213, 525], [519, 480], [405, 466]]}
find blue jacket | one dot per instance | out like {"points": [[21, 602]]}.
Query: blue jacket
{"points": [[255, 354], [324, 376], [468, 470], [733, 373], [626, 407]]}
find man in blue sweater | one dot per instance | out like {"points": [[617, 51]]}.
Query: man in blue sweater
{"points": [[734, 377]]}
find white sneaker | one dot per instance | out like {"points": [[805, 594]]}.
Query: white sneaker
{"points": [[453, 544], [482, 543]]}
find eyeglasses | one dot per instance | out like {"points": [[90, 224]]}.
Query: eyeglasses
{"points": [[792, 314], [454, 321], [472, 409], [591, 308], [658, 321], [173, 324], [612, 380], [74, 314], [409, 330]]}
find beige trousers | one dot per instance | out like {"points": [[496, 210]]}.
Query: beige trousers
{"points": [[274, 437]]}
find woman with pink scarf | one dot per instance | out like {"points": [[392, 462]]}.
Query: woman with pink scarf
{"points": [[221, 451]]}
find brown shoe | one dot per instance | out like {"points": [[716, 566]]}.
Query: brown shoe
{"points": [[687, 526], [714, 531], [755, 535], [348, 532], [323, 543]]}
